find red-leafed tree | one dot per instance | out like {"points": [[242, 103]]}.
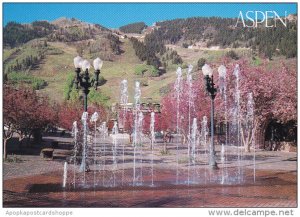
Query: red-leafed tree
{"points": [[128, 123], [67, 114], [274, 95], [70, 112], [23, 112], [192, 104], [147, 122]]}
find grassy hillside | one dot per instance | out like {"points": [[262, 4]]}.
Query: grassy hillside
{"points": [[56, 66], [49, 61], [54, 70]]}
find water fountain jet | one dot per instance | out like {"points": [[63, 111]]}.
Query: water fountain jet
{"points": [[84, 167], [124, 102], [75, 140], [94, 120], [152, 122], [65, 174], [178, 87], [137, 97]]}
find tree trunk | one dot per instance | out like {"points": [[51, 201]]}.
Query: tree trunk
{"points": [[261, 131], [7, 136], [183, 139], [248, 148], [4, 149]]}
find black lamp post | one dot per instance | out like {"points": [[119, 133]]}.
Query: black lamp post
{"points": [[212, 91], [83, 80]]}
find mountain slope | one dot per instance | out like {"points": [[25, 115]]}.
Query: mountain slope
{"points": [[50, 58]]}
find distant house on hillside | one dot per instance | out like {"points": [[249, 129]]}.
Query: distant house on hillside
{"points": [[145, 108], [149, 29]]}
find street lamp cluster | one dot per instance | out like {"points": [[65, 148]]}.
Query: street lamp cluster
{"points": [[212, 92], [83, 79]]}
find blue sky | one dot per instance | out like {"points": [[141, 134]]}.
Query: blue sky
{"points": [[114, 15]]}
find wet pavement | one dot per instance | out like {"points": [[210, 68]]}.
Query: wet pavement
{"points": [[34, 182], [271, 189]]}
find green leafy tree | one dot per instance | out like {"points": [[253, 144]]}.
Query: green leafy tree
{"points": [[201, 62], [133, 27]]}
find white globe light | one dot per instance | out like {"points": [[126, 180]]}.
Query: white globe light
{"points": [[97, 63], [77, 62], [85, 65], [222, 71], [207, 70]]}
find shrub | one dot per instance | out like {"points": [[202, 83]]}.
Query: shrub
{"points": [[184, 66], [140, 69], [97, 98], [54, 51], [37, 83], [147, 70], [201, 62], [144, 82], [74, 95], [102, 80], [154, 72], [256, 61], [185, 45], [68, 85], [233, 55], [177, 59], [16, 78], [164, 90]]}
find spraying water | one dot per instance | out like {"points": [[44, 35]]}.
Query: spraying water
{"points": [[250, 128], [124, 94], [137, 97], [178, 87], [65, 174], [190, 95], [115, 132], [152, 124], [237, 120], [103, 134], [223, 90], [75, 139], [204, 134], [140, 143], [194, 142], [94, 120], [223, 163], [124, 102], [84, 167]]}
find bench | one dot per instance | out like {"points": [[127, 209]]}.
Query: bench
{"points": [[47, 153]]}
